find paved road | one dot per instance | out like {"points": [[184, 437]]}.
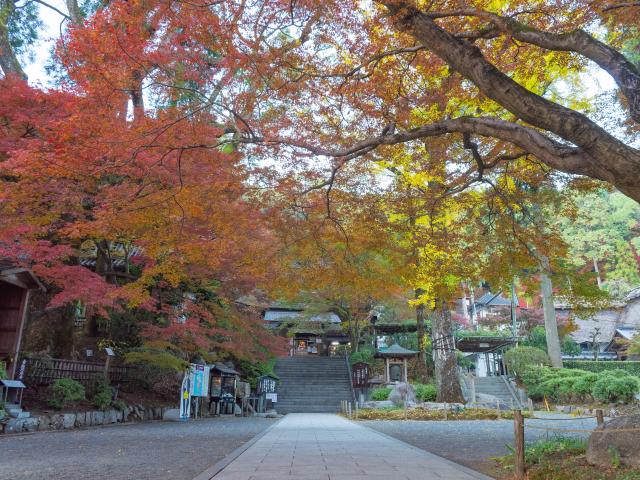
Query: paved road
{"points": [[471, 443], [314, 446], [147, 451]]}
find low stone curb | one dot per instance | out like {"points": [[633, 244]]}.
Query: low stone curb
{"points": [[68, 421]]}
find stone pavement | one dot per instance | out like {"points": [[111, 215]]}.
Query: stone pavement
{"points": [[313, 446]]}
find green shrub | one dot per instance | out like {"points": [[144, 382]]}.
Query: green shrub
{"points": [[119, 405], [564, 384], [364, 355], [3, 370], [520, 358], [633, 367], [426, 393], [65, 392], [615, 385], [543, 449], [380, 394], [100, 392]]}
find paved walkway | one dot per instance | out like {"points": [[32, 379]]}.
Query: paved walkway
{"points": [[313, 446]]}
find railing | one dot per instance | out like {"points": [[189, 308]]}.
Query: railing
{"points": [[44, 371], [517, 403]]}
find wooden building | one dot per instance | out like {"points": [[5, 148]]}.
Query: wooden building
{"points": [[15, 286]]}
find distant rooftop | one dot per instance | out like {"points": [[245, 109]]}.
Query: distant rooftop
{"points": [[493, 300]]}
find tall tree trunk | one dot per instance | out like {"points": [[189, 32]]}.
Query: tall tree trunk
{"points": [[420, 328], [8, 61], [444, 355], [75, 13], [474, 312], [549, 309], [597, 270]]}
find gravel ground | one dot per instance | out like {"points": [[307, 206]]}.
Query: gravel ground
{"points": [[472, 443], [153, 451]]}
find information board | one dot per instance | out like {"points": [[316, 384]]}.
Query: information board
{"points": [[199, 380]]}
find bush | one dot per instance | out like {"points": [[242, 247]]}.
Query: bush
{"points": [[564, 384], [518, 359], [65, 392], [3, 370], [426, 393], [157, 371], [100, 393], [632, 367], [364, 355], [615, 385], [380, 394]]}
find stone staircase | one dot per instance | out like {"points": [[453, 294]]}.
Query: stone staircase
{"points": [[497, 387], [312, 384]]}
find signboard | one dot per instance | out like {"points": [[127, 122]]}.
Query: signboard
{"points": [[272, 396], [185, 397], [199, 380], [266, 384]]}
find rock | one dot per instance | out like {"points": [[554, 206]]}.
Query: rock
{"points": [[606, 447], [68, 420], [401, 393], [97, 417], [453, 407], [31, 424], [44, 422], [56, 422], [81, 419], [377, 404], [111, 416], [14, 425], [171, 415]]}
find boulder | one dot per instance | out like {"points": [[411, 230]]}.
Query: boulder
{"points": [[56, 422], [81, 419], [171, 414], [452, 407], [44, 422], [378, 404], [402, 394], [97, 417], [607, 447], [14, 425], [30, 424], [68, 420]]}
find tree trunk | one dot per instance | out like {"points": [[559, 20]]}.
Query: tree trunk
{"points": [[75, 13], [597, 270], [607, 158], [550, 322], [420, 328], [444, 355], [8, 61]]}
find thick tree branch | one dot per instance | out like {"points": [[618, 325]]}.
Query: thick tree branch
{"points": [[625, 73], [568, 159], [608, 157]]}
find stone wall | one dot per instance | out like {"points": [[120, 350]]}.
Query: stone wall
{"points": [[64, 421]]}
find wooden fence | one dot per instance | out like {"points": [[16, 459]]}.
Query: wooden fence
{"points": [[43, 371]]}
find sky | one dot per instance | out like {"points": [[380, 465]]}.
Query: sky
{"points": [[595, 80], [48, 36]]}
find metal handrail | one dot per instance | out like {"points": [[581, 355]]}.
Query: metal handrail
{"points": [[518, 403]]}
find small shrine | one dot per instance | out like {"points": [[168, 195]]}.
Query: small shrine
{"points": [[395, 362]]}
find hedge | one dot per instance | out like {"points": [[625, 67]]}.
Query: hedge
{"points": [[633, 367], [570, 385]]}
